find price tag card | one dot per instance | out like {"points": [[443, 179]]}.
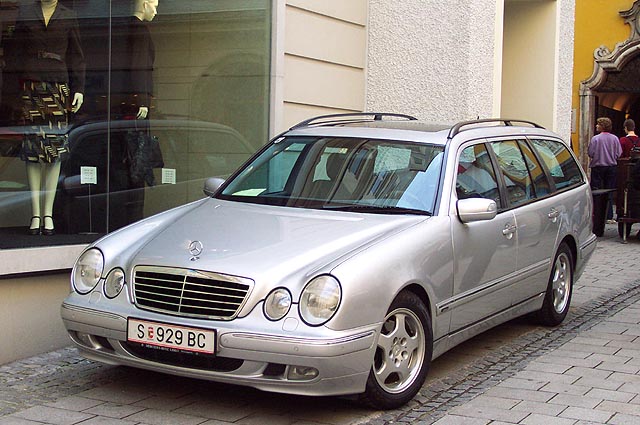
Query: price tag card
{"points": [[88, 175], [168, 176]]}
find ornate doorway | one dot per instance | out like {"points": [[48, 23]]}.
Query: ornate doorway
{"points": [[613, 89]]}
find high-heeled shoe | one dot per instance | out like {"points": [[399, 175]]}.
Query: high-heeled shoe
{"points": [[45, 231], [34, 230]]}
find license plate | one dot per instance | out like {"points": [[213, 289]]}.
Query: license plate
{"points": [[171, 337]]}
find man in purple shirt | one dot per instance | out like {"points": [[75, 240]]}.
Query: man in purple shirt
{"points": [[604, 151]]}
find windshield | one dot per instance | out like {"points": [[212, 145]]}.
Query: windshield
{"points": [[341, 173]]}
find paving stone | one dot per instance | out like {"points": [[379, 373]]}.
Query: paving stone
{"points": [[618, 367], [565, 389], [618, 407], [538, 366], [75, 403], [622, 419], [161, 417], [461, 420], [497, 402], [114, 393], [523, 384], [111, 410], [107, 421], [585, 361], [537, 419], [590, 372], [576, 400], [581, 413], [605, 384], [52, 415], [547, 409], [488, 413], [14, 420], [610, 395]]}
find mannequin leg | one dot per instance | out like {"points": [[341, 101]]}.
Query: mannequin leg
{"points": [[51, 174], [34, 175]]}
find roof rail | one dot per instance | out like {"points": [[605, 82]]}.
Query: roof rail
{"points": [[501, 121], [337, 119]]}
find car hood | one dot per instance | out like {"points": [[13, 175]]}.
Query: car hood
{"points": [[265, 242]]}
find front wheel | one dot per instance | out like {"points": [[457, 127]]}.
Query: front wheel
{"points": [[403, 354], [558, 296]]}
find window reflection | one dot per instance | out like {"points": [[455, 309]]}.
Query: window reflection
{"points": [[189, 76]]}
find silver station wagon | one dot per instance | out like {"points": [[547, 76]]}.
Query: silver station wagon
{"points": [[343, 257]]}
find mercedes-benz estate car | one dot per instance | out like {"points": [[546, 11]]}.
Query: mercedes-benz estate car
{"points": [[343, 257]]}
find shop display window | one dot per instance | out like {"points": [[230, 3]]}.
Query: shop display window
{"points": [[112, 111]]}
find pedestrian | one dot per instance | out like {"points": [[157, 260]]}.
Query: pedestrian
{"points": [[604, 151], [629, 141]]}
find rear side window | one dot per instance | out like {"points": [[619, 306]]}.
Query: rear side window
{"points": [[561, 165], [514, 169], [536, 172]]}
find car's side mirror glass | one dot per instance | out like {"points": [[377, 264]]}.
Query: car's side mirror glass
{"points": [[476, 209], [211, 185]]}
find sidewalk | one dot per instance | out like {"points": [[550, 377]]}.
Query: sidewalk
{"points": [[587, 371]]}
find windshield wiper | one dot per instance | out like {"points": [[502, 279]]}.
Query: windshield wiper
{"points": [[379, 209]]}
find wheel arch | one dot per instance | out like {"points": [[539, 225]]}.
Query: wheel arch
{"points": [[421, 293], [573, 247]]}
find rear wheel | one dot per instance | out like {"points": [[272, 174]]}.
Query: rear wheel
{"points": [[403, 354], [558, 296]]}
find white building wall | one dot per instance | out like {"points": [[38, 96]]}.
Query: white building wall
{"points": [[434, 59], [322, 59], [564, 77], [442, 60]]}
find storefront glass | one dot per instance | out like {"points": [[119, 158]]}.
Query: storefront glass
{"points": [[110, 113]]}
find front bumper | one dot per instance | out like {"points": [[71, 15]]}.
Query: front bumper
{"points": [[261, 358]]}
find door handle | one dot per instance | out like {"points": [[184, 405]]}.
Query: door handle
{"points": [[553, 215], [509, 230]]}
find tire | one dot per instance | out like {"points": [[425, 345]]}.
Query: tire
{"points": [[403, 354], [621, 229], [558, 296]]}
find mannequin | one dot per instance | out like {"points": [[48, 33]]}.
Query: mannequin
{"points": [[51, 63], [132, 63], [145, 11]]}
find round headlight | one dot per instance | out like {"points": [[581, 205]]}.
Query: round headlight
{"points": [[114, 283], [319, 300], [87, 270], [277, 304]]}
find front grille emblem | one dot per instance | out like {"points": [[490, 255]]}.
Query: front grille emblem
{"points": [[195, 249]]}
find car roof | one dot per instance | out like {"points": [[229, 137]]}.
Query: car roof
{"points": [[407, 128]]}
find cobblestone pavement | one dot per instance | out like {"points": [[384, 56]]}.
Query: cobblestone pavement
{"points": [[584, 372]]}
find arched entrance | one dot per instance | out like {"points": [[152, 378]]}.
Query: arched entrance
{"points": [[613, 89]]}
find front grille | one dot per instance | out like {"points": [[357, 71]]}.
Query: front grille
{"points": [[190, 293]]}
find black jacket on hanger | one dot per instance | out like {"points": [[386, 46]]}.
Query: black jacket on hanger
{"points": [[51, 53]]}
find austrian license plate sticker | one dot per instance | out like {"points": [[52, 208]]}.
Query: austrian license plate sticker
{"points": [[171, 337]]}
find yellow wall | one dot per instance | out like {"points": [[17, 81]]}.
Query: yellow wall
{"points": [[597, 23]]}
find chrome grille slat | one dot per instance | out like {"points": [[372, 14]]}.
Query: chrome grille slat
{"points": [[214, 287], [189, 293], [209, 293], [151, 300]]}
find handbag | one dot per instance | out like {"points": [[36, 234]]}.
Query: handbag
{"points": [[143, 154]]}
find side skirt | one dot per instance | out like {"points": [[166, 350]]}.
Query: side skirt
{"points": [[449, 341]]}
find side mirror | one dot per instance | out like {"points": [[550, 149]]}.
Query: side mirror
{"points": [[476, 209], [211, 185]]}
